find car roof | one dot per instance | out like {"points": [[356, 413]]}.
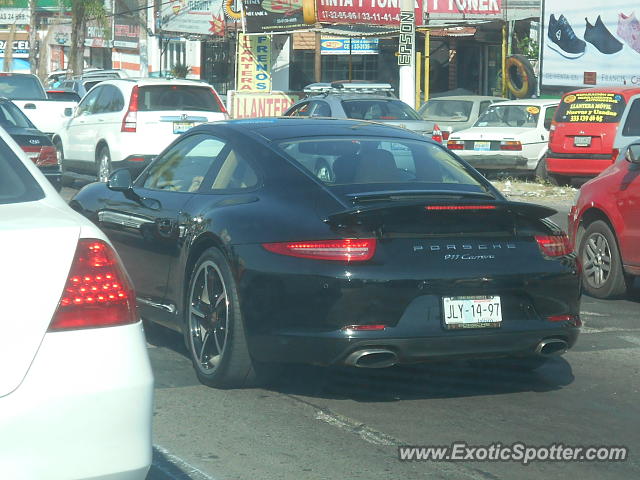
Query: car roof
{"points": [[533, 101], [626, 91], [479, 98], [279, 128], [144, 81]]}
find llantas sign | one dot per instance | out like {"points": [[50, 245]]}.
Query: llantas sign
{"points": [[253, 71]]}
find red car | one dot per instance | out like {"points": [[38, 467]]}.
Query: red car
{"points": [[582, 139], [604, 226]]}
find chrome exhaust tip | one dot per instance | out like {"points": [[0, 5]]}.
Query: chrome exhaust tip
{"points": [[372, 358], [551, 347]]}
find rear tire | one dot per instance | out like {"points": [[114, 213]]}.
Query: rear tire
{"points": [[214, 326], [558, 180], [66, 180], [602, 272], [541, 173], [103, 164]]}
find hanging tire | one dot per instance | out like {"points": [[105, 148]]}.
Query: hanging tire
{"points": [[214, 327], [602, 272], [521, 79], [103, 164]]}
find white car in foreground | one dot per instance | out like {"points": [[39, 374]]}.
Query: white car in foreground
{"points": [[509, 136], [125, 123], [76, 386]]}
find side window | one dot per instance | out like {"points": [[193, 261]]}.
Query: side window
{"points": [[184, 167], [104, 100], [116, 103], [86, 106], [234, 173], [632, 124], [322, 109], [548, 116], [483, 106], [302, 110]]}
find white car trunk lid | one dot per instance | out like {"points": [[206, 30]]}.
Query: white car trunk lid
{"points": [[173, 122], [37, 246]]}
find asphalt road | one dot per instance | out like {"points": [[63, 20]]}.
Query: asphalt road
{"points": [[347, 424]]}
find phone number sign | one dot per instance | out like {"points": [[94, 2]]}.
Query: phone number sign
{"points": [[373, 12]]}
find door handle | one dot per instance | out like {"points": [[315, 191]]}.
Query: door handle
{"points": [[29, 106]]}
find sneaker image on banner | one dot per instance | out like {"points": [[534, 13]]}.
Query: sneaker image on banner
{"points": [[601, 38], [629, 30], [563, 39]]}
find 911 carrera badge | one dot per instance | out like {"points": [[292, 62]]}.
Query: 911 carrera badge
{"points": [[468, 256]]}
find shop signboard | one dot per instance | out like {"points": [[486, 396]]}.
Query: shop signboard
{"points": [[203, 17], [96, 36], [262, 16], [20, 48], [348, 46], [253, 105], [457, 9], [126, 24], [253, 65], [372, 12], [590, 43], [19, 16]]}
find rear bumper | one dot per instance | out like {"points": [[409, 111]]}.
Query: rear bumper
{"points": [[497, 161], [579, 167], [333, 348], [83, 410]]}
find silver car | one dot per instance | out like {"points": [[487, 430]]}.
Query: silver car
{"points": [[456, 112], [360, 101]]}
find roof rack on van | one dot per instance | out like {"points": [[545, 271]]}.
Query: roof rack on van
{"points": [[349, 87]]}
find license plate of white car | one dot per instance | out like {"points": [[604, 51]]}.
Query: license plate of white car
{"points": [[582, 141], [472, 312], [482, 146], [181, 127]]}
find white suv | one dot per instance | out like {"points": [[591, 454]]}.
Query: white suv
{"points": [[127, 122]]}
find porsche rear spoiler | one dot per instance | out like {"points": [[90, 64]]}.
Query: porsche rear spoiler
{"points": [[372, 215]]}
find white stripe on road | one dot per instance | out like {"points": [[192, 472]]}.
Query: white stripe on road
{"points": [[365, 433], [186, 467]]}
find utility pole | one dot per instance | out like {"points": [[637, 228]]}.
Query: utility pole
{"points": [[33, 37], [407, 52]]}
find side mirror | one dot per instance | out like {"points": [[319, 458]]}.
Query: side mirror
{"points": [[633, 153], [120, 181], [68, 112]]}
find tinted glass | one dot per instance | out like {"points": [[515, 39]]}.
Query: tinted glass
{"points": [[11, 116], [86, 106], [591, 107], [632, 124], [379, 110], [367, 160], [509, 116], [18, 87], [176, 97], [451, 110], [302, 110], [234, 173], [184, 166], [322, 109], [16, 183], [63, 96]]}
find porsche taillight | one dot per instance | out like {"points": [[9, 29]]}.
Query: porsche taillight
{"points": [[345, 249], [554, 245], [98, 292]]}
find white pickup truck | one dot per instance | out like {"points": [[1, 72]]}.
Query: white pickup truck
{"points": [[27, 92]]}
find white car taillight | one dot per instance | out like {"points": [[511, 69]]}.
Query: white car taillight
{"points": [[98, 292], [129, 122]]}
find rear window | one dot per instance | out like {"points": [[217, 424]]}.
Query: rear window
{"points": [[449, 110], [497, 115], [379, 110], [63, 96], [347, 161], [591, 107], [19, 87], [16, 183], [177, 97], [11, 116]]}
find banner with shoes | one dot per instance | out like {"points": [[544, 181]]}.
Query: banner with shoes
{"points": [[591, 43]]}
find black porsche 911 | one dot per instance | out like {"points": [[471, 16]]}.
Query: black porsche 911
{"points": [[394, 252]]}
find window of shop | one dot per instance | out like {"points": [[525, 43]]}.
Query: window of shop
{"points": [[336, 67], [175, 53]]}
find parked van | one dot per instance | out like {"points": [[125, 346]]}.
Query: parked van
{"points": [[585, 137]]}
